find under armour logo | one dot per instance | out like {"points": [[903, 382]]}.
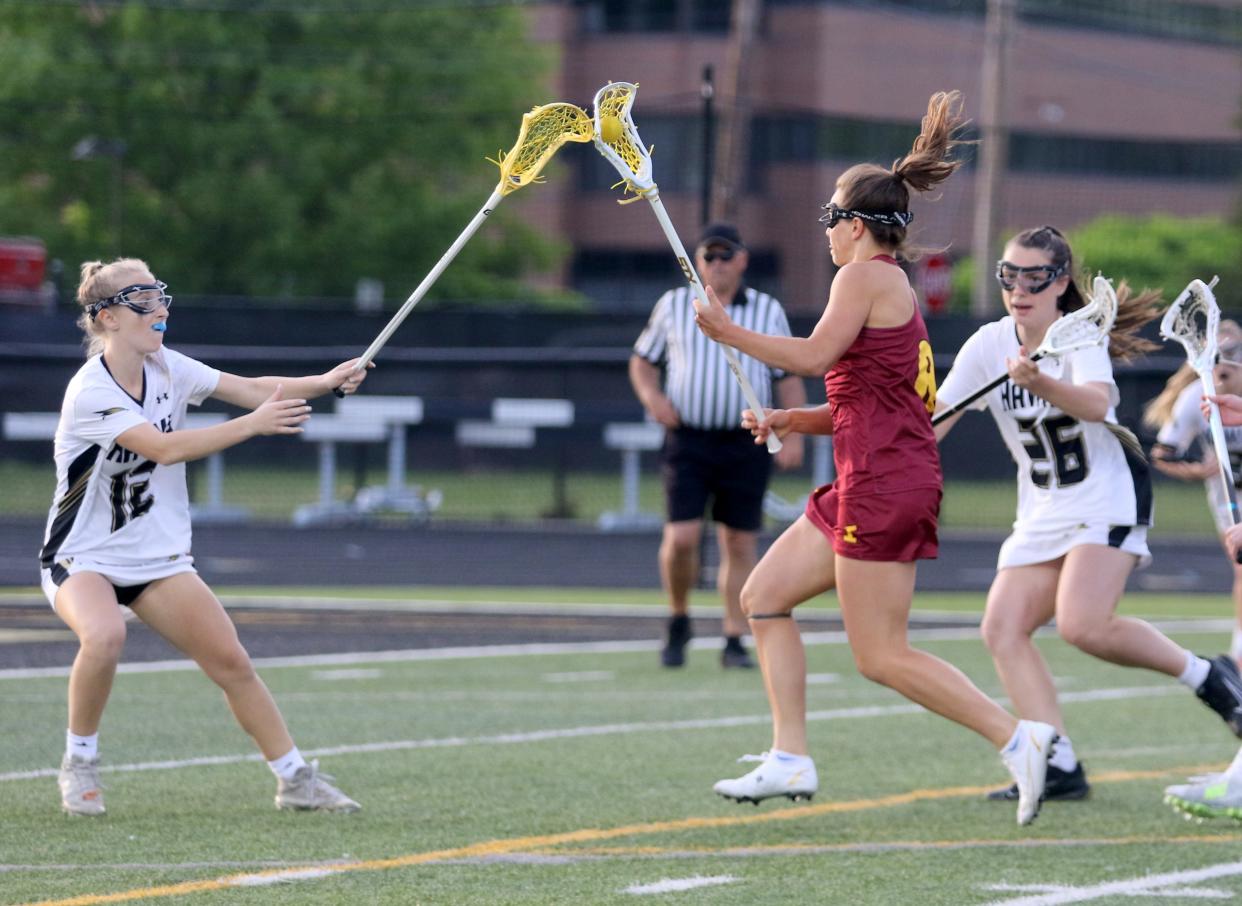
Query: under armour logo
{"points": [[160, 397], [849, 535]]}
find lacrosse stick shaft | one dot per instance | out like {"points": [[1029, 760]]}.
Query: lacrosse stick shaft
{"points": [[432, 276], [982, 391], [730, 354], [1217, 429]]}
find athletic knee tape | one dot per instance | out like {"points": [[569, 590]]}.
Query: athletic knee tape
{"points": [[770, 616]]}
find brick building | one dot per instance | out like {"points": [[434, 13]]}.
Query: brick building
{"points": [[1121, 106]]}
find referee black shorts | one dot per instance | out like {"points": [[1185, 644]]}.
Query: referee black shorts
{"points": [[726, 466]]}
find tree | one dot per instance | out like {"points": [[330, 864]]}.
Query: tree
{"points": [[268, 148]]}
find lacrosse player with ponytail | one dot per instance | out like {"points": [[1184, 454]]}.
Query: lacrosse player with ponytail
{"points": [[1183, 434], [118, 534], [864, 534], [1084, 496], [1217, 795]]}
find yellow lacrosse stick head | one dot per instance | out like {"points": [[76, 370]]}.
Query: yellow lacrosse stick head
{"points": [[544, 130], [617, 137]]}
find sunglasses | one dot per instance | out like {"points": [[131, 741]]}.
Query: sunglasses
{"points": [[1032, 279], [718, 255], [140, 298], [836, 214]]}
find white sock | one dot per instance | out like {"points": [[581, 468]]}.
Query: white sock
{"points": [[1063, 756], [1195, 673], [787, 757], [82, 746], [1234, 770], [287, 765], [1014, 740], [1235, 646]]}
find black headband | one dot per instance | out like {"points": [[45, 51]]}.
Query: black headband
{"points": [[835, 213]]}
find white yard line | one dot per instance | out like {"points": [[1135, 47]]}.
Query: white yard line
{"points": [[280, 877], [660, 726], [1162, 885], [672, 885], [580, 676]]}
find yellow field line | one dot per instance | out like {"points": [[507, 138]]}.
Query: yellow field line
{"points": [[585, 835]]}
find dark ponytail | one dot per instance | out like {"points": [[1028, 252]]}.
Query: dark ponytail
{"points": [[872, 188]]}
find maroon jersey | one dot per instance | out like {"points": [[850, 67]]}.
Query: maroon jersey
{"points": [[882, 393]]}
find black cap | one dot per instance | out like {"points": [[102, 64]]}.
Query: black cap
{"points": [[721, 234]]}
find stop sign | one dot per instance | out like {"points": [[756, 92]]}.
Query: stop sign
{"points": [[935, 281]]}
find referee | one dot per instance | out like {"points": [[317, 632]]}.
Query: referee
{"points": [[707, 454]]}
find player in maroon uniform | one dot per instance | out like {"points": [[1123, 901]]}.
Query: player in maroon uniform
{"points": [[863, 534]]}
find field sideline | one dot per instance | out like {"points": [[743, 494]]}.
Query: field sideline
{"points": [[582, 773]]}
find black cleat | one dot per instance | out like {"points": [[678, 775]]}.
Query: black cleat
{"points": [[734, 656], [673, 654], [1222, 691], [1060, 786]]}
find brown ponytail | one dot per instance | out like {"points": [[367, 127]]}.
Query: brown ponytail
{"points": [[872, 188], [927, 165]]}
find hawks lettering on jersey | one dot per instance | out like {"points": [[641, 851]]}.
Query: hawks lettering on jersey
{"points": [[129, 490], [111, 504]]}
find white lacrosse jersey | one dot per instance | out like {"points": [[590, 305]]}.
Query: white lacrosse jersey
{"points": [[112, 506], [1070, 472], [1188, 428]]}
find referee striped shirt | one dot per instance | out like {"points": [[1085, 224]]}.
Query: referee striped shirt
{"points": [[698, 381]]}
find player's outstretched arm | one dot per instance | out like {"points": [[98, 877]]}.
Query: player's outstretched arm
{"points": [[250, 393], [275, 415]]}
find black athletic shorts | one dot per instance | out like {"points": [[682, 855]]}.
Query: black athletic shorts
{"points": [[726, 466]]}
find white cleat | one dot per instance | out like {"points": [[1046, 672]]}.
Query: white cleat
{"points": [[1209, 796], [1026, 757], [312, 790], [81, 793], [777, 775]]}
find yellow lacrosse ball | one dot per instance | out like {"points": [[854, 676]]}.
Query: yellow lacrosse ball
{"points": [[609, 128]]}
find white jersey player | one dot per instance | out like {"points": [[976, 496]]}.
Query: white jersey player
{"points": [[119, 530], [1077, 483], [1184, 449], [115, 512], [1084, 500], [1216, 795], [1184, 438]]}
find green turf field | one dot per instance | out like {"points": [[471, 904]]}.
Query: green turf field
{"points": [[508, 496], [584, 776]]}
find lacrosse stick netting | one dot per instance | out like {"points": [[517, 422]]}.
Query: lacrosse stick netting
{"points": [[544, 129], [1194, 321], [1088, 326], [616, 137]]}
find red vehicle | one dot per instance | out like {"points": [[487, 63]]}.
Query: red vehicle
{"points": [[23, 267]]}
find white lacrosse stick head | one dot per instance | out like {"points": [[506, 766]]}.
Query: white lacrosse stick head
{"points": [[1194, 321], [617, 137], [1088, 326]]}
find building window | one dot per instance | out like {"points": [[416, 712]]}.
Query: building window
{"points": [[610, 16], [624, 280]]}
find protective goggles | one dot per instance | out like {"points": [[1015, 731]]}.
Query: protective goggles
{"points": [[1032, 279], [1229, 354], [836, 214], [142, 298]]}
